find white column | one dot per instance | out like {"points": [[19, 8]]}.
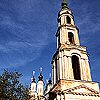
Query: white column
{"points": [[58, 70], [88, 70], [66, 68], [63, 65], [76, 37], [70, 74], [60, 65], [67, 40], [61, 36], [54, 73], [83, 69]]}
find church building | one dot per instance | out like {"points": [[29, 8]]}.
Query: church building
{"points": [[71, 77]]}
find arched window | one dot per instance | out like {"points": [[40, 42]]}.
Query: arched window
{"points": [[76, 67], [68, 20], [71, 37]]}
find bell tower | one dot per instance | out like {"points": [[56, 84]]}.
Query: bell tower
{"points": [[70, 65], [67, 31], [70, 61]]}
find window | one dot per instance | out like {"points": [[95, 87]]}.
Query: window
{"points": [[76, 67], [71, 37], [68, 20]]}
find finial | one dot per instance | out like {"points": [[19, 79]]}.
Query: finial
{"points": [[33, 79], [50, 75], [64, 4], [40, 70], [47, 81], [33, 73]]}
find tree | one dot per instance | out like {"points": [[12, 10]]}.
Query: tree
{"points": [[11, 88]]}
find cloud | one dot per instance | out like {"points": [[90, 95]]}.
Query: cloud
{"points": [[22, 38], [18, 52]]}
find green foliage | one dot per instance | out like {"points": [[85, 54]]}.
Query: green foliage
{"points": [[11, 88]]}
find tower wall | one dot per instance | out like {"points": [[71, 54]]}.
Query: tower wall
{"points": [[68, 45], [70, 64]]}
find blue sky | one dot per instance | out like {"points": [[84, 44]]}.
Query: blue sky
{"points": [[27, 34]]}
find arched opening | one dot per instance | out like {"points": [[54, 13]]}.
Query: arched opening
{"points": [[76, 67], [68, 20], [71, 37]]}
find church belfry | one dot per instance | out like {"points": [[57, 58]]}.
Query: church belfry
{"points": [[67, 31], [70, 61], [70, 65]]}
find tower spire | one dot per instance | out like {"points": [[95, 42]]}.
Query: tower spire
{"points": [[33, 79], [64, 4]]}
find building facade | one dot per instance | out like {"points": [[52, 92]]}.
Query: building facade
{"points": [[71, 77]]}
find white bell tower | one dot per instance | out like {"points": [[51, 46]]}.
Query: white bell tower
{"points": [[71, 75], [70, 61]]}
